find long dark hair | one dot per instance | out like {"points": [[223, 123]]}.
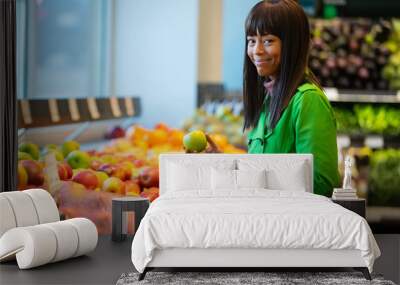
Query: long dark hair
{"points": [[286, 20]]}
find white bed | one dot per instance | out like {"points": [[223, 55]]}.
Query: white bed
{"points": [[194, 223]]}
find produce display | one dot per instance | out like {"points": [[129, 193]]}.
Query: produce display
{"points": [[84, 182], [350, 53], [368, 119], [391, 71], [223, 122], [384, 178]]}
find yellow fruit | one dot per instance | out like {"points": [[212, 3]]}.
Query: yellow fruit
{"points": [[137, 133], [195, 141], [157, 137], [175, 138]]}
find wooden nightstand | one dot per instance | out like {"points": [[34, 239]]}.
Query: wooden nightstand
{"points": [[355, 205]]}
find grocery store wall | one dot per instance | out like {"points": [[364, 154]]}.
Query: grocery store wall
{"points": [[156, 57], [234, 15]]}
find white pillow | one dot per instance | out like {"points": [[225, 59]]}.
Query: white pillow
{"points": [[226, 179], [294, 179], [223, 179], [183, 177], [280, 174], [251, 178]]}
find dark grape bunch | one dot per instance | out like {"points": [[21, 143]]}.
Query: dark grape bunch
{"points": [[350, 53]]}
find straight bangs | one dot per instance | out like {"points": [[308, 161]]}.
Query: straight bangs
{"points": [[286, 20], [264, 18]]}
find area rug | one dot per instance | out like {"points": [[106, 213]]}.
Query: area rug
{"points": [[231, 278]]}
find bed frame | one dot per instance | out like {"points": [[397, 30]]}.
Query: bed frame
{"points": [[242, 259], [246, 258]]}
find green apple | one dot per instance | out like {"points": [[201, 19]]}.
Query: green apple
{"points": [[195, 141], [78, 159], [69, 146], [24, 156], [30, 148]]}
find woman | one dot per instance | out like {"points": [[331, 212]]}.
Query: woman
{"points": [[285, 108]]}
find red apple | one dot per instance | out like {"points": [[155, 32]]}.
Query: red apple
{"points": [[64, 171], [87, 178], [115, 132], [35, 172], [149, 177]]}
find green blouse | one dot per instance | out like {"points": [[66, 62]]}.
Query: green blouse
{"points": [[307, 125]]}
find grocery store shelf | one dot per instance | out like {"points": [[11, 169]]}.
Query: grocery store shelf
{"points": [[335, 95], [57, 134], [34, 113], [372, 140]]}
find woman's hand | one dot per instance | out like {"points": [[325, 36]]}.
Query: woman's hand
{"points": [[211, 148]]}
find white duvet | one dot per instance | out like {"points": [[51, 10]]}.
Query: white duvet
{"points": [[252, 218]]}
